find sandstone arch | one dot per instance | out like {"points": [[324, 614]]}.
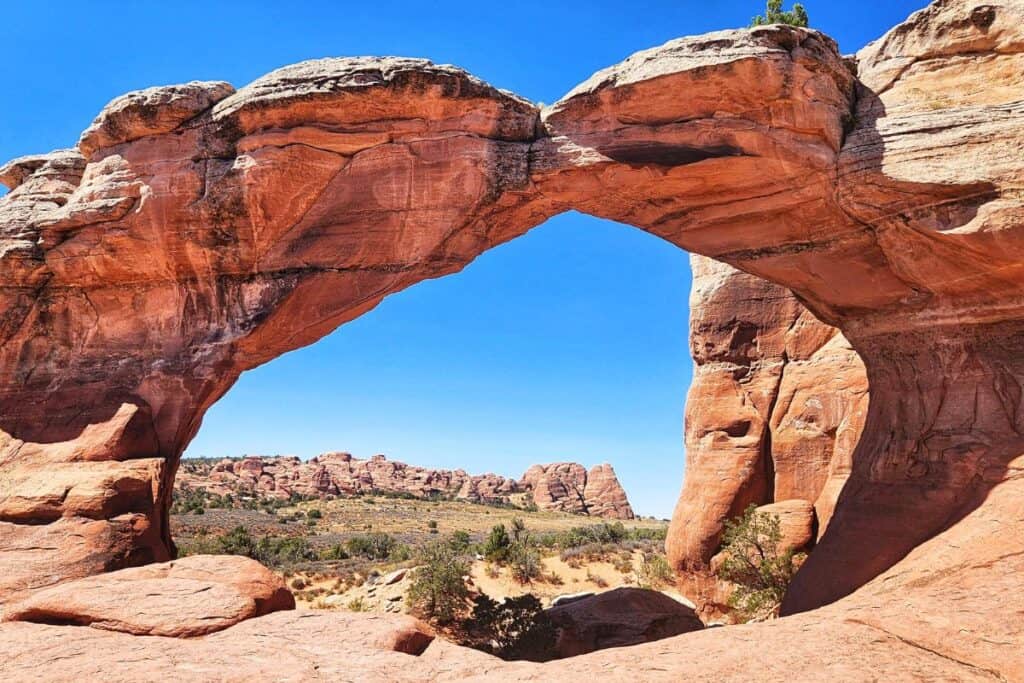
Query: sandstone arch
{"points": [[197, 232]]}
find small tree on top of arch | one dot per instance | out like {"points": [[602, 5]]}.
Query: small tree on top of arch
{"points": [[774, 15]]}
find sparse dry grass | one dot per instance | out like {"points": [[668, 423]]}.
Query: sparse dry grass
{"points": [[410, 521], [347, 583]]}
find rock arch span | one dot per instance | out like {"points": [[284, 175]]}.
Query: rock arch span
{"points": [[197, 231]]}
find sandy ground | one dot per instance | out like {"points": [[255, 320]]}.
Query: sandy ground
{"points": [[387, 593]]}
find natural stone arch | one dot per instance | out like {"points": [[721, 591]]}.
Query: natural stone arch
{"points": [[204, 233]]}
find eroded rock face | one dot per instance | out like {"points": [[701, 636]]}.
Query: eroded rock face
{"points": [[143, 275], [796, 522], [604, 495], [597, 493], [774, 412]]}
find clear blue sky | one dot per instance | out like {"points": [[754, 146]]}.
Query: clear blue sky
{"points": [[567, 344]]}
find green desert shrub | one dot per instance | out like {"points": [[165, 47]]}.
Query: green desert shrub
{"points": [[520, 534], [524, 562], [654, 572], [753, 561], [774, 15], [273, 551], [495, 548], [187, 500], [579, 536], [438, 591], [334, 553], [516, 628], [460, 541], [376, 546], [282, 551], [238, 541]]}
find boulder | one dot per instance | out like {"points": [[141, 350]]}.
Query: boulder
{"points": [[796, 522], [619, 617], [570, 597], [185, 598]]}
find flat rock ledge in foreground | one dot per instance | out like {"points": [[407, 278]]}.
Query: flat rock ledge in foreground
{"points": [[189, 597]]}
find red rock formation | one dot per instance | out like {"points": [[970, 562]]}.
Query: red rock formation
{"points": [[142, 276], [775, 410], [179, 258], [568, 487], [604, 495], [559, 485], [597, 493]]}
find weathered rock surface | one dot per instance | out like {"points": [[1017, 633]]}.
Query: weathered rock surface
{"points": [[619, 617], [775, 410], [942, 354], [150, 112], [189, 597], [796, 522], [596, 493], [140, 282]]}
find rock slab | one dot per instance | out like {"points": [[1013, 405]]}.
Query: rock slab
{"points": [[190, 597]]}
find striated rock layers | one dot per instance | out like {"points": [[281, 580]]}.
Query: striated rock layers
{"points": [[566, 487], [198, 232]]}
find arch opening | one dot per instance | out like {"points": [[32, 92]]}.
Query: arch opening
{"points": [[567, 343], [760, 359]]}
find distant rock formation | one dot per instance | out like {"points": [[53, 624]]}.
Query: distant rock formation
{"points": [[562, 486], [568, 487]]}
